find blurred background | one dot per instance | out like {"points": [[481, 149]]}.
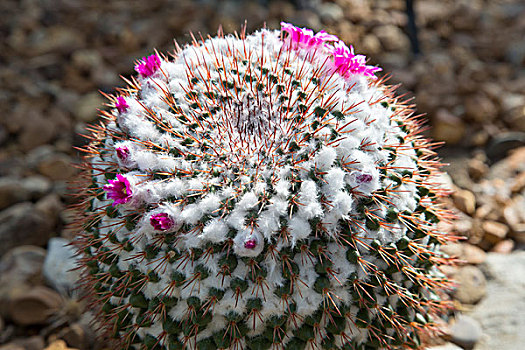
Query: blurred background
{"points": [[466, 72]]}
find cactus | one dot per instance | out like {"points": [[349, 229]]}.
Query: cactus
{"points": [[262, 191]]}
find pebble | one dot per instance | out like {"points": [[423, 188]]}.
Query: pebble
{"points": [[480, 108], [22, 265], [469, 253], [495, 231], [12, 191], [392, 38], [36, 130], [59, 345], [31, 343], [74, 336], [59, 266], [34, 306], [473, 254], [57, 166], [465, 201], [11, 346], [22, 224], [447, 127], [37, 186], [330, 13], [477, 169], [447, 346], [471, 285], [465, 331], [500, 313], [86, 109], [503, 247]]}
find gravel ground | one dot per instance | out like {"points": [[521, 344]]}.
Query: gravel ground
{"points": [[469, 78]]}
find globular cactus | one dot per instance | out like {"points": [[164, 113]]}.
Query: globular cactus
{"points": [[261, 191]]}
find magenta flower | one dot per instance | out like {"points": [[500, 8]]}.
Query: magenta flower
{"points": [[121, 105], [303, 38], [148, 65], [119, 190], [161, 222], [250, 244], [122, 152], [346, 63]]}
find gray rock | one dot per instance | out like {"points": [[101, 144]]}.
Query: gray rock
{"points": [[86, 109], [37, 186], [12, 191], [21, 224], [22, 265], [447, 346], [60, 264], [471, 285], [501, 314], [465, 331], [330, 12]]}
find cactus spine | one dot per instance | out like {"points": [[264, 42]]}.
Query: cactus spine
{"points": [[261, 191]]}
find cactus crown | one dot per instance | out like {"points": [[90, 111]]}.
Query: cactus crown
{"points": [[261, 191]]}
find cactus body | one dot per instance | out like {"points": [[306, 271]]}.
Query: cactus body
{"points": [[261, 191]]}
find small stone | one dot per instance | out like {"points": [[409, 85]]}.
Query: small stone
{"points": [[494, 231], [500, 313], [86, 109], [74, 336], [518, 183], [465, 201], [467, 252], [31, 343], [480, 108], [21, 224], [59, 266], [306, 18], [471, 285], [473, 254], [50, 206], [330, 13], [59, 345], [503, 247], [477, 169], [446, 346], [452, 249], [36, 130], [11, 346], [12, 191], [465, 331], [37, 186], [392, 38], [22, 264], [447, 127], [57, 166], [34, 306]]}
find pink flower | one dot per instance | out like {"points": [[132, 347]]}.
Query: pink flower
{"points": [[121, 105], [122, 152], [119, 190], [346, 63], [148, 65], [161, 222], [303, 38], [250, 244]]}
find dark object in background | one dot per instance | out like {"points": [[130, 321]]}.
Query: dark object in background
{"points": [[412, 28]]}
